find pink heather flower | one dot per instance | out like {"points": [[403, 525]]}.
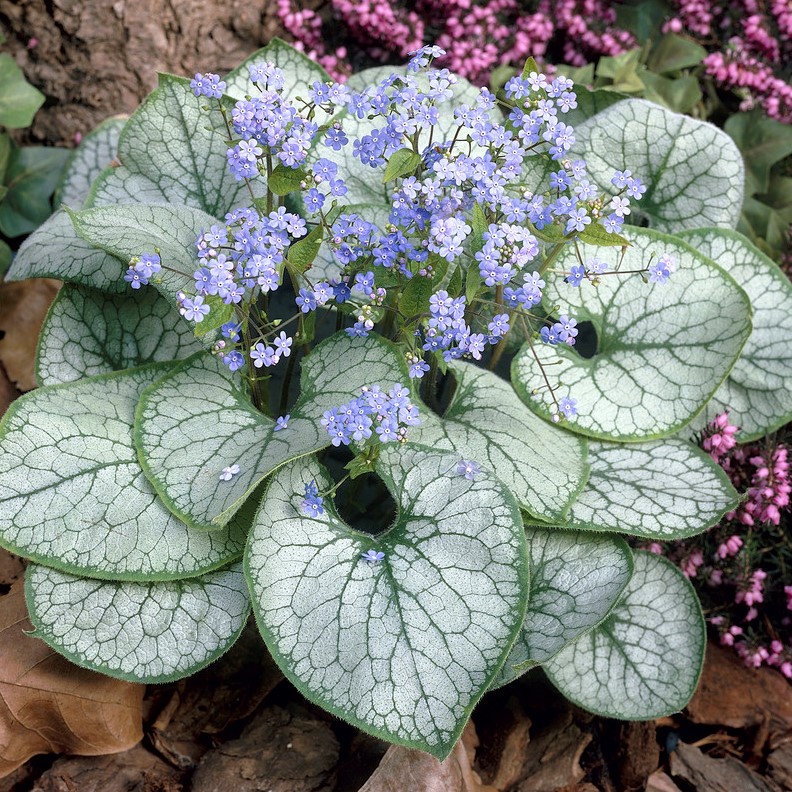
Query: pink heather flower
{"points": [[727, 637], [692, 563], [729, 548], [788, 592], [718, 437], [657, 549]]}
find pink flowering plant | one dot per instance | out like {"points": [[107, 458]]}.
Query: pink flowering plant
{"points": [[741, 567], [501, 325]]}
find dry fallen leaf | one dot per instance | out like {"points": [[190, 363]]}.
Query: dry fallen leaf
{"points": [[49, 705], [404, 768], [23, 306], [732, 695]]}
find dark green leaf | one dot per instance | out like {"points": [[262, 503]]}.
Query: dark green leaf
{"points": [[763, 142], [5, 258], [595, 234], [19, 100], [402, 163], [455, 284], [415, 297], [219, 314], [680, 95], [530, 66], [33, 173], [303, 252], [284, 180], [472, 283], [673, 53], [5, 153]]}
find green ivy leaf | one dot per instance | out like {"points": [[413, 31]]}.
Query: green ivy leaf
{"points": [[763, 142], [54, 250], [74, 496], [404, 648], [299, 72], [401, 163], [644, 661], [692, 169], [198, 419], [662, 351], [19, 100], [31, 177], [88, 332], [667, 489], [673, 53], [575, 581], [143, 632], [486, 422], [173, 152], [756, 392], [681, 94], [95, 153]]}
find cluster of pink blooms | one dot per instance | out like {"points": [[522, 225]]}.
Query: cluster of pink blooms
{"points": [[722, 563], [479, 35], [756, 44]]}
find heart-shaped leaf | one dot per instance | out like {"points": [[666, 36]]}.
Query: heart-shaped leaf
{"points": [[54, 250], [404, 647], [693, 170], [667, 489], [543, 466], [173, 151], [198, 420], [73, 495], [95, 153], [19, 100], [299, 72], [88, 332], [756, 392], [644, 661], [575, 581], [144, 632], [662, 349]]}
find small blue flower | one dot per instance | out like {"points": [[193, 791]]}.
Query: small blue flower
{"points": [[282, 422], [312, 506], [568, 406], [373, 556], [468, 469], [229, 472]]}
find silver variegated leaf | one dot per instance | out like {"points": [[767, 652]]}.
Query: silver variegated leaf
{"points": [[402, 648], [198, 420], [667, 489], [543, 467], [173, 151], [73, 495], [644, 661], [575, 581], [95, 153], [693, 171], [757, 390], [88, 332], [662, 351], [143, 632]]}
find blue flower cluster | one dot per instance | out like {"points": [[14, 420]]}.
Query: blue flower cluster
{"points": [[387, 414], [313, 504], [564, 331], [142, 269]]}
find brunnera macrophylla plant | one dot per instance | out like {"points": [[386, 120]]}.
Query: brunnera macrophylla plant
{"points": [[289, 291]]}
